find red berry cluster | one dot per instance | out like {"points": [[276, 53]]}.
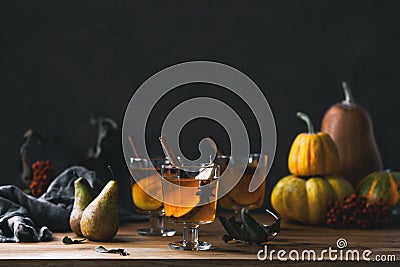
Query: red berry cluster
{"points": [[43, 175], [356, 212]]}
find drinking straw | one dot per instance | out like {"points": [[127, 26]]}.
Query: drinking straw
{"points": [[135, 152], [134, 148], [173, 159]]}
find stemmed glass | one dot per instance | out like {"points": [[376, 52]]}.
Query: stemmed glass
{"points": [[190, 198], [239, 196], [145, 185]]}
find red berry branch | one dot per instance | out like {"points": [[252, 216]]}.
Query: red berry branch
{"points": [[43, 175], [356, 212]]}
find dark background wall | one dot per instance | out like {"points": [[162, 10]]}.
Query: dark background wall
{"points": [[61, 61]]}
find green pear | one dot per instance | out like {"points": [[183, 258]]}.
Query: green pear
{"points": [[100, 219], [84, 194]]}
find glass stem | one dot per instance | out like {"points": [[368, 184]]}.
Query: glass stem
{"points": [[191, 235], [156, 222]]}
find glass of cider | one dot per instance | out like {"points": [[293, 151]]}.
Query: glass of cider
{"points": [[240, 196], [147, 194], [190, 198]]}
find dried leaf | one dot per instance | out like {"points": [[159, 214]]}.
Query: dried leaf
{"points": [[104, 125], [274, 228], [120, 251], [234, 229], [396, 209], [42, 139], [253, 228], [101, 249], [68, 241], [249, 230]]}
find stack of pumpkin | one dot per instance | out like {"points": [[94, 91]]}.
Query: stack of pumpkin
{"points": [[346, 147], [304, 196]]}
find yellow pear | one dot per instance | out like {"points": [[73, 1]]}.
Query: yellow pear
{"points": [[100, 219], [83, 196]]}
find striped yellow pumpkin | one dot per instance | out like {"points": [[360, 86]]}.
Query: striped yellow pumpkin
{"points": [[313, 154], [307, 201]]}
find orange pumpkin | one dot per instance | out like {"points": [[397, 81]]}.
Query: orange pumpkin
{"points": [[313, 154], [381, 184]]}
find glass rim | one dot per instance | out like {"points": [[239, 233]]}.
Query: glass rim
{"points": [[258, 154], [205, 165], [137, 159], [151, 158]]}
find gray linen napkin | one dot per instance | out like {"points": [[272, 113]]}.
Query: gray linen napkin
{"points": [[24, 218]]}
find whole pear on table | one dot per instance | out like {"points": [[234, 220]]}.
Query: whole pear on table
{"points": [[100, 219], [84, 194]]}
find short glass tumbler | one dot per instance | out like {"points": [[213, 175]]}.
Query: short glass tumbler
{"points": [[239, 196], [147, 179]]}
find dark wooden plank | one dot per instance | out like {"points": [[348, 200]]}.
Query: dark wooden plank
{"points": [[148, 251]]}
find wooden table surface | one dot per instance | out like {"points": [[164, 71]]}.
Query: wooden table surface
{"points": [[155, 251]]}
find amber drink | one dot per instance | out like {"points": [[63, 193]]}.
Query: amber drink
{"points": [[147, 194], [240, 196], [190, 214], [190, 198]]}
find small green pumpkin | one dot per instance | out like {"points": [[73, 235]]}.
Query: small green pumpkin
{"points": [[381, 184]]}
